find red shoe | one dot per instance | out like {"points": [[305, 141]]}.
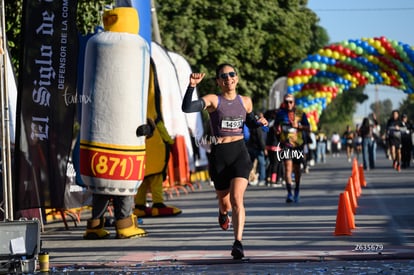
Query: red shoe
{"points": [[157, 210], [399, 168], [224, 221], [142, 211], [162, 210]]}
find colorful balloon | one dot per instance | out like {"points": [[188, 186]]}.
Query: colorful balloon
{"points": [[338, 67]]}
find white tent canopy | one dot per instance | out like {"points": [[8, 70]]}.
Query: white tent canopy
{"points": [[194, 120], [173, 72]]}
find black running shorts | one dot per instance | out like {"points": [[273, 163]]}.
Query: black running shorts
{"points": [[228, 161], [393, 141]]}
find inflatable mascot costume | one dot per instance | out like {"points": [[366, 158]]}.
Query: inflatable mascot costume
{"points": [[158, 152], [113, 125]]}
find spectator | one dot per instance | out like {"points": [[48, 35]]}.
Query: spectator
{"points": [[394, 138], [335, 144], [321, 141], [312, 149], [256, 147], [368, 142], [358, 142], [275, 167], [349, 136], [406, 142]]}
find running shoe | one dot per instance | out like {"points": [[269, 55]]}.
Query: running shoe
{"points": [[224, 221], [289, 198], [237, 251], [296, 197]]}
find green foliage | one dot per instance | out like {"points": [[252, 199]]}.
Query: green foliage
{"points": [[407, 107], [382, 110], [263, 39], [340, 112], [89, 14], [13, 10]]}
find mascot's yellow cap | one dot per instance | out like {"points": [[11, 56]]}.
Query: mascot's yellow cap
{"points": [[123, 19]]}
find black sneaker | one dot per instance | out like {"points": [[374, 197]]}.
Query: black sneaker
{"points": [[289, 198], [224, 221], [237, 251]]}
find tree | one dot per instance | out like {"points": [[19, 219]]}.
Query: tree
{"points": [[382, 110], [407, 107], [13, 10], [263, 39], [340, 112]]}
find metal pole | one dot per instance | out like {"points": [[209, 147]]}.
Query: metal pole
{"points": [[5, 123], [155, 27]]}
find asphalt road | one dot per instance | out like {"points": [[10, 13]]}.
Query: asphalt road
{"points": [[279, 238]]}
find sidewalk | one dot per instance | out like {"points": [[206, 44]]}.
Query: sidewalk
{"points": [[279, 238]]}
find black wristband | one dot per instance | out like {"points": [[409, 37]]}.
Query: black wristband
{"points": [[251, 121]]}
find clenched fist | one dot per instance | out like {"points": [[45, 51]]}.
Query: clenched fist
{"points": [[196, 78]]}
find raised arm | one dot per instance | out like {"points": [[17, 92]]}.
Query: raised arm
{"points": [[188, 105]]}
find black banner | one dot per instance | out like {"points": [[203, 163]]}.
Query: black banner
{"points": [[46, 102]]}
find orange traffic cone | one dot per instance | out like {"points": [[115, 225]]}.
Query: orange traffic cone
{"points": [[342, 223], [350, 214], [355, 163], [355, 179], [362, 180], [350, 187]]}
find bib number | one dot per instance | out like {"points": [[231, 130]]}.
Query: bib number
{"points": [[231, 123]]}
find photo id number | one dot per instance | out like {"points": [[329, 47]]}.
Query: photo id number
{"points": [[374, 247]]}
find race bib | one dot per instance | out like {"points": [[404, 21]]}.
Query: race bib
{"points": [[232, 123]]}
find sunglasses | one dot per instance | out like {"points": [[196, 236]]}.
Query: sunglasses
{"points": [[288, 101], [225, 75]]}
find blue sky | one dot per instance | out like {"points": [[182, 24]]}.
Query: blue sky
{"points": [[356, 19]]}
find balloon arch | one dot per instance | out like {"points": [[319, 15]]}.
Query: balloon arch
{"points": [[341, 66]]}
